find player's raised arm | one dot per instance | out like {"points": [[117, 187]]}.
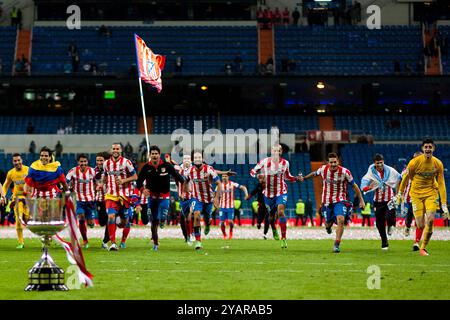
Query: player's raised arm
{"points": [[244, 189], [256, 169]]}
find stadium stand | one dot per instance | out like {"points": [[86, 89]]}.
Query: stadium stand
{"points": [[204, 50], [400, 127], [444, 31], [7, 46], [348, 50], [82, 124]]}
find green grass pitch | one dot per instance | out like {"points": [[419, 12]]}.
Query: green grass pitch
{"points": [[247, 269]]}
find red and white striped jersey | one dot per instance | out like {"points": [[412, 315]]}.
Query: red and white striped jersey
{"points": [[202, 180], [227, 198], [50, 194], [335, 183], [100, 194], [144, 199], [383, 194], [83, 183], [406, 195], [122, 168], [276, 173], [183, 194]]}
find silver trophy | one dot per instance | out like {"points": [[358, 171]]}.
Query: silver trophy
{"points": [[47, 218]]}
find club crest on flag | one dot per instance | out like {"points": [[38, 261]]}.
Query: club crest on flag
{"points": [[150, 65]]}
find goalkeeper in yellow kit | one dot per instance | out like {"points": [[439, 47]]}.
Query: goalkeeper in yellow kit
{"points": [[426, 173], [17, 176]]}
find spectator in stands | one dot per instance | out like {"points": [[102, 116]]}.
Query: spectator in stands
{"points": [[178, 64], [238, 64], [427, 53], [408, 69], [261, 69], [295, 16], [267, 18], [32, 147], [419, 66], [19, 18], [72, 49], [286, 15], [128, 150], [143, 150], [68, 129], [30, 128], [228, 68], [104, 31], [269, 67], [276, 18], [60, 130], [18, 67], [75, 62], [260, 16], [237, 211], [94, 67], [13, 16], [443, 43], [309, 213], [300, 212], [58, 149]]}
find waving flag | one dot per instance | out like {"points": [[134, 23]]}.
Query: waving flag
{"points": [[150, 65], [73, 249], [45, 177]]}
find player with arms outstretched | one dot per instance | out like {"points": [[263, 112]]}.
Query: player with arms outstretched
{"points": [[426, 173], [118, 173], [334, 195], [276, 171]]}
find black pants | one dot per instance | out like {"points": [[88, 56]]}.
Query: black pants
{"points": [[300, 217], [383, 216], [2, 215], [103, 218], [237, 214], [309, 215], [366, 217], [254, 217]]}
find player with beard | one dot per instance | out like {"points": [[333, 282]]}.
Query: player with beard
{"points": [[100, 196], [156, 173], [118, 174], [275, 169], [334, 195]]}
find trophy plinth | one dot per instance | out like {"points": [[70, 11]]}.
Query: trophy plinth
{"points": [[46, 220]]}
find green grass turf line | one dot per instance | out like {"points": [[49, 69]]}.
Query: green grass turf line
{"points": [[247, 269]]}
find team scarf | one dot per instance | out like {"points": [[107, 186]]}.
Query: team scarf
{"points": [[73, 248], [390, 178]]}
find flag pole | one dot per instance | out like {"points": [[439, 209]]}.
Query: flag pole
{"points": [[145, 117]]}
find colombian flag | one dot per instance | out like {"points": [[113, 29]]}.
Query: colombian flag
{"points": [[44, 177], [150, 65]]}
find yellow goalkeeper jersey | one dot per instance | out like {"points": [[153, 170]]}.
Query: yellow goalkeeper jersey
{"points": [[18, 178], [427, 177]]}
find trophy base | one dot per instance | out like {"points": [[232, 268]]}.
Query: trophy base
{"points": [[46, 276], [46, 287]]}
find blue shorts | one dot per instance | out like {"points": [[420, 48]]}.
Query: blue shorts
{"points": [[204, 208], [186, 206], [333, 210], [158, 208], [273, 203], [226, 214], [87, 208]]}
